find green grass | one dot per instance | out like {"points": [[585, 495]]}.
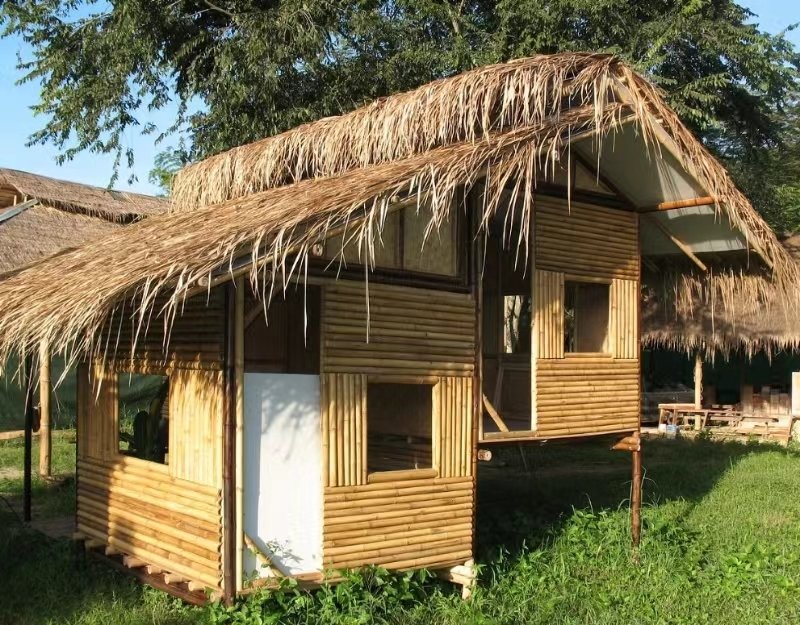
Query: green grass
{"points": [[721, 544]]}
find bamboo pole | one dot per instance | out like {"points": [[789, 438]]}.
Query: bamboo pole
{"points": [[698, 380], [239, 327], [636, 495], [26, 469], [45, 435]]}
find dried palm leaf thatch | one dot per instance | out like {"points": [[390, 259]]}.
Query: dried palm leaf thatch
{"points": [[76, 298], [465, 108], [40, 231], [736, 306], [115, 206]]}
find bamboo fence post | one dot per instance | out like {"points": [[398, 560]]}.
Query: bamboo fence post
{"points": [[45, 436]]}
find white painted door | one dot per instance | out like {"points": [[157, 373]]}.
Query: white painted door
{"points": [[282, 471]]}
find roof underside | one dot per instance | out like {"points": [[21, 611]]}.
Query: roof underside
{"points": [[275, 199]]}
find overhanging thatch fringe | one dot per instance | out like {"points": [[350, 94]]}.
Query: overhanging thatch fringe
{"points": [[176, 253], [282, 195]]}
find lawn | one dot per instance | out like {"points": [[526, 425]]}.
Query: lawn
{"points": [[721, 544]]}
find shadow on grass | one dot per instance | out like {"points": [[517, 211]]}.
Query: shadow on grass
{"points": [[44, 583], [526, 493]]}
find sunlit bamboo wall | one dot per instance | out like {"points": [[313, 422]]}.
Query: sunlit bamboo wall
{"points": [[411, 331], [415, 335], [586, 393], [593, 240], [167, 516]]}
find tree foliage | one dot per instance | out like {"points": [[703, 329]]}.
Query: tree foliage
{"points": [[258, 67]]}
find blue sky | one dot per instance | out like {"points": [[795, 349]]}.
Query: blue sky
{"points": [[17, 121]]}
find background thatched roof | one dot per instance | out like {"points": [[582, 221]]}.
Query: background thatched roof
{"points": [[40, 231], [735, 306], [502, 124], [119, 206]]}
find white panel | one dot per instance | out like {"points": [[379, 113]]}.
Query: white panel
{"points": [[283, 471], [699, 227], [643, 173]]}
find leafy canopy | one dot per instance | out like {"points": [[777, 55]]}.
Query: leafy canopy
{"points": [[258, 67]]}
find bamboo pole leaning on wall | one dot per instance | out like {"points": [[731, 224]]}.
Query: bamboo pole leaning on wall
{"points": [[45, 435]]}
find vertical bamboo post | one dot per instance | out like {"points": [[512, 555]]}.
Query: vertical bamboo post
{"points": [[229, 528], [534, 326], [476, 254], [698, 380], [45, 437], [636, 493], [26, 469], [239, 469]]}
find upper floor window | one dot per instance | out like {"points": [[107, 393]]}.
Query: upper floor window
{"points": [[586, 317]]}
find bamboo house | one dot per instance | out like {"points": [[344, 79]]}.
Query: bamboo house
{"points": [[331, 323]]}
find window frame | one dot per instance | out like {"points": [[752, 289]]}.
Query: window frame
{"points": [[374, 477], [584, 279], [127, 370]]}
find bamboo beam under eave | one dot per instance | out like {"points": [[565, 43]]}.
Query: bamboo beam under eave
{"points": [[706, 200]]}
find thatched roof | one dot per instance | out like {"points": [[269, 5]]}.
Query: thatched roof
{"points": [[735, 306], [118, 206], [37, 231], [270, 202]]}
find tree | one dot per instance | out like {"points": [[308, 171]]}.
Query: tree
{"points": [[262, 66], [166, 165]]}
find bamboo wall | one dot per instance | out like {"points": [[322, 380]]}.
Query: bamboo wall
{"points": [[593, 240], [580, 394], [167, 516], [411, 331], [403, 519]]}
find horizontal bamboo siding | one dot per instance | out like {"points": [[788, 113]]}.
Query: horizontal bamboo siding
{"points": [[195, 339], [413, 334], [399, 525], [139, 510], [579, 394], [411, 331], [587, 395], [168, 516], [586, 239]]}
